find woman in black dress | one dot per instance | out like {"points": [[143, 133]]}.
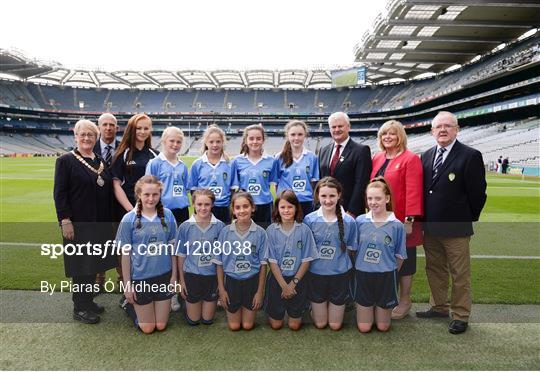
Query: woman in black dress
{"points": [[83, 193]]}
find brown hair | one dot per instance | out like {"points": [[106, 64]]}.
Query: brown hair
{"points": [[332, 183], [129, 139], [380, 183], [149, 180], [243, 147], [239, 195], [286, 152], [290, 197], [202, 192], [211, 129]]}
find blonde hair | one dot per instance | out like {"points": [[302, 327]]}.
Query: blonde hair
{"points": [[86, 124], [400, 131], [211, 129], [243, 147], [171, 131]]}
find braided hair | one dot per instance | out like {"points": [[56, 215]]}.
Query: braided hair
{"points": [[149, 180], [332, 183]]}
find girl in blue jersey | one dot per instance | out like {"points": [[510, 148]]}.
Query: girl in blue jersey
{"points": [[253, 172], [173, 173], [195, 241], [298, 168], [291, 248], [149, 266], [212, 171], [335, 236], [381, 251], [241, 264]]}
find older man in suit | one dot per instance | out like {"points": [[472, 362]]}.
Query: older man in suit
{"points": [[107, 144], [454, 195], [105, 148], [347, 161]]}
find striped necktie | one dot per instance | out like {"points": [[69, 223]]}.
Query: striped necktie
{"points": [[108, 154], [438, 161]]}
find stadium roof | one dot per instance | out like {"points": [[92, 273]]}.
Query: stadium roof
{"points": [[420, 36], [15, 63]]}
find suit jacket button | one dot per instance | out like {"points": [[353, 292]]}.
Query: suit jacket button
{"points": [[431, 191]]}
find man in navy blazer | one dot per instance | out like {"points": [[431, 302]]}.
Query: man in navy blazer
{"points": [[108, 127], [347, 161], [454, 195], [105, 148]]}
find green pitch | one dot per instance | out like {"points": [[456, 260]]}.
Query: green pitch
{"points": [[508, 227]]}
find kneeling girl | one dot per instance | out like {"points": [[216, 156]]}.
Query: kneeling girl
{"points": [[291, 248], [195, 242], [148, 269], [241, 266]]}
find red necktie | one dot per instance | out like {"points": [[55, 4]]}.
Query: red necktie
{"points": [[334, 160]]}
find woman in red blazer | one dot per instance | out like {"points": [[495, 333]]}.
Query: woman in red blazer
{"points": [[402, 169]]}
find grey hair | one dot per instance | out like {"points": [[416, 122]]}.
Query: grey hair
{"points": [[445, 113], [106, 115], [339, 115]]}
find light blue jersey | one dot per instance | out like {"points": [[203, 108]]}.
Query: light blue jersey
{"points": [[196, 245], [242, 256], [150, 256], [379, 247], [289, 249], [174, 179], [216, 178], [299, 175], [255, 178], [332, 260]]}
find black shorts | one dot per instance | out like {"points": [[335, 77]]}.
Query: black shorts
{"points": [[409, 265], [145, 294], [275, 306], [332, 288], [263, 215], [307, 208], [180, 215], [222, 213], [241, 292], [200, 287], [376, 289]]}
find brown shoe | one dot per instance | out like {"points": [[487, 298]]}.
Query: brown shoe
{"points": [[401, 311]]}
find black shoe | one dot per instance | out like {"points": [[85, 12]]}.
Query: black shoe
{"points": [[457, 326], [97, 309], [85, 316], [431, 314]]}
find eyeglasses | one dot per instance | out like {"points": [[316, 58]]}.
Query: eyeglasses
{"points": [[87, 135], [445, 126]]}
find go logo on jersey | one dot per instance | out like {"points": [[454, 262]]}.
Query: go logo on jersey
{"points": [[299, 185], [327, 252], [253, 187], [372, 256], [205, 261]]}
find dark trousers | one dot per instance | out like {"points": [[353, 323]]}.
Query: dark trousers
{"points": [[180, 215], [222, 213], [307, 207], [263, 215], [82, 295]]}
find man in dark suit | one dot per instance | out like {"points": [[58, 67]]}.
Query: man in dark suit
{"points": [[105, 148], [347, 161], [107, 144], [454, 195]]}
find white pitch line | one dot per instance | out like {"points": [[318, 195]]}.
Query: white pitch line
{"points": [[480, 256]]}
